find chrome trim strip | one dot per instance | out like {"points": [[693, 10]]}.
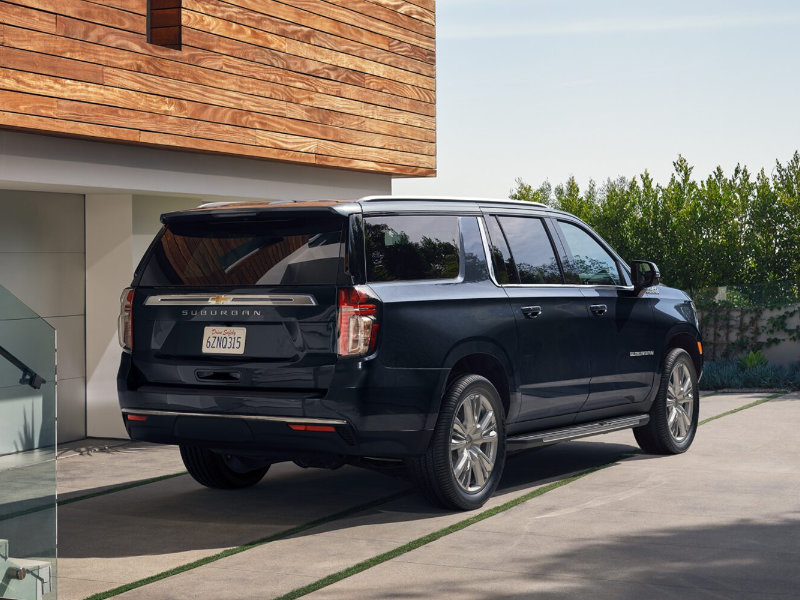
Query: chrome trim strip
{"points": [[579, 431], [171, 413], [486, 249], [231, 300]]}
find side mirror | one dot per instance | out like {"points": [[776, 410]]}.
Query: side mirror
{"points": [[645, 274]]}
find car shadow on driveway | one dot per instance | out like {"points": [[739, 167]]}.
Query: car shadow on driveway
{"points": [[178, 515]]}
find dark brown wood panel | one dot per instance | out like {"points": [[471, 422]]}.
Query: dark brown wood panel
{"points": [[345, 15], [149, 74], [104, 106], [417, 10], [220, 27], [338, 28], [11, 14], [339, 84], [88, 11], [306, 35], [381, 13], [111, 38]]}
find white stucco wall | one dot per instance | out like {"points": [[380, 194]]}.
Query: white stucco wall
{"points": [[42, 264], [126, 189]]}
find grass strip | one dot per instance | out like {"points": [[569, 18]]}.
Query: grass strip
{"points": [[120, 488], [432, 537], [109, 490], [250, 545], [741, 408]]}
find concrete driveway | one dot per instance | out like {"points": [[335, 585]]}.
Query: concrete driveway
{"points": [[721, 521]]}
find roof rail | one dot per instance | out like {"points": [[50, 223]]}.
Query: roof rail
{"points": [[450, 199]]}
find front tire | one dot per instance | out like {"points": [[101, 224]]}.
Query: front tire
{"points": [[220, 471], [674, 414], [464, 462]]}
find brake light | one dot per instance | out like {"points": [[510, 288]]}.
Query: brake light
{"points": [[125, 323], [358, 321]]}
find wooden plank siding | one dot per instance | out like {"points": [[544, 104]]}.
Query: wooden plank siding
{"points": [[345, 84]]}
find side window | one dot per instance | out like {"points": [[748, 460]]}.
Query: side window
{"points": [[504, 269], [532, 250], [591, 263], [406, 248]]}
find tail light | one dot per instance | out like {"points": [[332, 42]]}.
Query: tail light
{"points": [[358, 321], [125, 323]]}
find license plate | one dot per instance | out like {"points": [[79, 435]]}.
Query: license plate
{"points": [[223, 340]]}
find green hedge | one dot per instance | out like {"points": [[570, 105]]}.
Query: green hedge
{"points": [[723, 230], [734, 374]]}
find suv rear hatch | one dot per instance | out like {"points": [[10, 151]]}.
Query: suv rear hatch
{"points": [[234, 302]]}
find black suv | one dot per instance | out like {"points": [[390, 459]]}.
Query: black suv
{"points": [[438, 332]]}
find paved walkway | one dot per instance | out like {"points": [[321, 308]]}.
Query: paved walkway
{"points": [[721, 521]]}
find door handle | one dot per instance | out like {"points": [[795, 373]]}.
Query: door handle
{"points": [[531, 312], [598, 309]]}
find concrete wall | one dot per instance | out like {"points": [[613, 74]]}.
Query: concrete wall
{"points": [[42, 263]]}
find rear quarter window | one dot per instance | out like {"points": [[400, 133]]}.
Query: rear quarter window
{"points": [[412, 247]]}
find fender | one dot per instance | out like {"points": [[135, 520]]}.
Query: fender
{"points": [[471, 346]]}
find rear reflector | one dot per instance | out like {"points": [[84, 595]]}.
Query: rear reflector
{"points": [[298, 427], [137, 418]]}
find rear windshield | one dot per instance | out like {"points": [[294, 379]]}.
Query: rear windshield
{"points": [[278, 251]]}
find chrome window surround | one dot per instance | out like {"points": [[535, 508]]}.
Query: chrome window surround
{"points": [[486, 249], [230, 300]]}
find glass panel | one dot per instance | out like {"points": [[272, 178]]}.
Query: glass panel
{"points": [[286, 251], [532, 250], [27, 450], [591, 264], [412, 247], [504, 269]]}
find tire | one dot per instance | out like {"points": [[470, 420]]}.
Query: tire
{"points": [[464, 462], [673, 416], [220, 471]]}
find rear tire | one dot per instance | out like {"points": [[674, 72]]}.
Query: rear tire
{"points": [[673, 416], [220, 471], [464, 462]]}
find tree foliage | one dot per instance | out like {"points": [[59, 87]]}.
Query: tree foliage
{"points": [[724, 230]]}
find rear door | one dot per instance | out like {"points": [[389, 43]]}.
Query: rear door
{"points": [[551, 318], [241, 303]]}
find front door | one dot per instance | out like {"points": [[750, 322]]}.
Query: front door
{"points": [[619, 336]]}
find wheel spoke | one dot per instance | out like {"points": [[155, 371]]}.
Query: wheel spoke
{"points": [[457, 444], [487, 422], [469, 415], [462, 464], [488, 437], [478, 469], [458, 428]]}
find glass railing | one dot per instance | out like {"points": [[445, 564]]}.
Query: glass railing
{"points": [[27, 453]]}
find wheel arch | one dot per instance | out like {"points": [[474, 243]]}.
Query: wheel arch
{"points": [[484, 358], [687, 341]]}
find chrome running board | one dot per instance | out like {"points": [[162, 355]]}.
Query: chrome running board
{"points": [[551, 436]]}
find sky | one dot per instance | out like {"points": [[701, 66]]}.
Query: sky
{"points": [[545, 89]]}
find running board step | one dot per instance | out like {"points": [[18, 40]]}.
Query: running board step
{"points": [[551, 436]]}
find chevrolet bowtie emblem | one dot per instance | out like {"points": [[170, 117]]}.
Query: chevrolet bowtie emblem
{"points": [[220, 300]]}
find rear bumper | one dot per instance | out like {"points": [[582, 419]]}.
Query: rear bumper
{"points": [[368, 411]]}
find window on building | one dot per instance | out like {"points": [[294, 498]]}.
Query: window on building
{"points": [[164, 23]]}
